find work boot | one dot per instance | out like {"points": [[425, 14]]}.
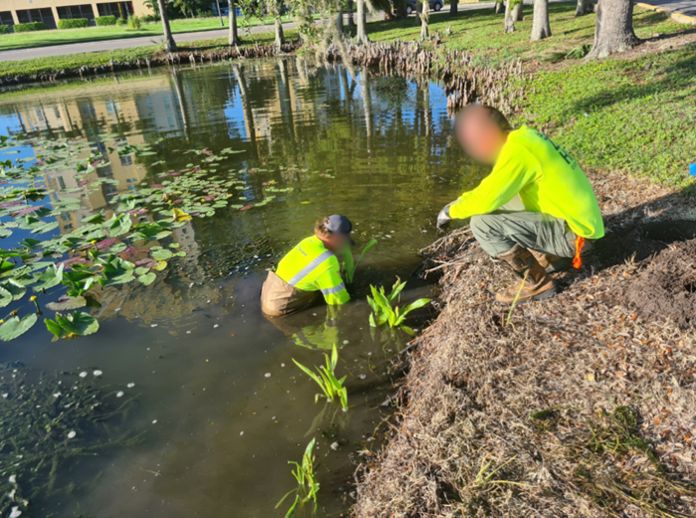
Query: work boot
{"points": [[549, 262], [537, 283]]}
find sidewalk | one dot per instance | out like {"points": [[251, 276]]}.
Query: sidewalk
{"points": [[682, 11]]}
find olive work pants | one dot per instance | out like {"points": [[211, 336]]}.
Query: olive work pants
{"points": [[499, 231]]}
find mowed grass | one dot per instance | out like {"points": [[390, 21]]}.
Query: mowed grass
{"points": [[61, 36], [480, 31], [634, 113]]}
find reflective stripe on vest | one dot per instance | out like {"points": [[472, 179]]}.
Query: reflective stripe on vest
{"points": [[310, 267], [335, 289]]}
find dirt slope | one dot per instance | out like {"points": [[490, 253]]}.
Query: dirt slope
{"points": [[584, 405]]}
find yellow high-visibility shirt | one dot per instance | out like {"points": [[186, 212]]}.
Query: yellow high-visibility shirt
{"points": [[310, 266], [547, 180]]}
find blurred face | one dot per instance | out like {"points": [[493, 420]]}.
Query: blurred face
{"points": [[335, 242], [480, 136]]}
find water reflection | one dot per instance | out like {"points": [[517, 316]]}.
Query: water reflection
{"points": [[195, 343]]}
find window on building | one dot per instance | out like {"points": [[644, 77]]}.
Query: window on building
{"points": [[76, 11], [6, 18], [118, 9], [44, 15]]}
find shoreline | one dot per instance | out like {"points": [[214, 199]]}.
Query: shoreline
{"points": [[582, 405]]}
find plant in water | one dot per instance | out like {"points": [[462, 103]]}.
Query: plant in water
{"points": [[325, 376], [307, 485], [385, 312], [70, 325], [350, 264]]}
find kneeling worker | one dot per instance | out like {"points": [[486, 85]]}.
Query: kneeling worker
{"points": [[560, 208], [309, 268]]}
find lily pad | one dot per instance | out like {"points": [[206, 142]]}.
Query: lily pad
{"points": [[147, 278], [14, 327], [70, 325], [67, 303]]}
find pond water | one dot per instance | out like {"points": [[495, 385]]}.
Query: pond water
{"points": [[219, 405]]}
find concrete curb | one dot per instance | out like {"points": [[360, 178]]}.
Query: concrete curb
{"points": [[677, 17]]}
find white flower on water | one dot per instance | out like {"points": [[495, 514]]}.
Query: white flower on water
{"points": [[267, 375], [97, 373], [83, 374], [57, 394], [72, 434], [119, 393], [130, 385], [154, 421], [5, 395], [15, 512], [12, 479]]}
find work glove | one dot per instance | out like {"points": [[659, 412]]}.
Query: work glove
{"points": [[443, 218]]}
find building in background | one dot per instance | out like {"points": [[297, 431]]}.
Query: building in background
{"points": [[50, 11]]}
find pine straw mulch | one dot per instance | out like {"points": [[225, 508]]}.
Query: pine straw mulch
{"points": [[582, 405]]}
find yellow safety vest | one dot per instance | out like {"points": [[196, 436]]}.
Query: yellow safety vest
{"points": [[310, 266]]}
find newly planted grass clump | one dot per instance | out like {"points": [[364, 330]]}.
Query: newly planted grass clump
{"points": [[350, 264], [332, 387], [307, 485], [385, 308]]}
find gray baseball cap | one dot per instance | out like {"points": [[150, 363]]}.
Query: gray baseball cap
{"points": [[338, 224]]}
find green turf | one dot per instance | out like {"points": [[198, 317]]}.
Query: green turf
{"points": [[57, 37]]}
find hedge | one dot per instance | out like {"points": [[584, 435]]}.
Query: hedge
{"points": [[106, 20], [5, 29], [73, 23], [29, 26]]}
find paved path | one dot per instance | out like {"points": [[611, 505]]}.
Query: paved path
{"points": [[684, 10], [184, 37]]}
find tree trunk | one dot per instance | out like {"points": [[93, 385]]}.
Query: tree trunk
{"points": [[279, 34], [454, 7], [613, 28], [232, 32], [583, 7], [498, 7], [362, 29], [425, 12], [541, 28], [169, 43], [339, 23], [518, 11], [509, 22]]}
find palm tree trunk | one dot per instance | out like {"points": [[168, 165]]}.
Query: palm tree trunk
{"points": [[541, 28], [425, 12], [454, 7], [613, 28], [362, 29], [169, 43], [583, 7], [232, 34]]}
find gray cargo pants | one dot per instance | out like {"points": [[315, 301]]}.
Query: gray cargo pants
{"points": [[499, 231]]}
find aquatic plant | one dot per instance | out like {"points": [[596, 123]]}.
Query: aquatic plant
{"points": [[325, 377], [120, 244], [307, 484], [385, 312], [75, 323], [349, 262]]}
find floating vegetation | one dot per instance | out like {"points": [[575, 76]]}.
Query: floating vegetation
{"points": [[47, 421], [350, 264], [384, 311], [307, 484], [324, 376], [133, 238]]}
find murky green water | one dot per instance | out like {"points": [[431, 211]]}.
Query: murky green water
{"points": [[221, 404]]}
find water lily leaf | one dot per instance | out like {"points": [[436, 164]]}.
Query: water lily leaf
{"points": [[67, 303], [5, 231], [49, 278], [161, 265], [16, 289], [70, 325], [147, 278], [119, 224], [5, 297], [161, 254], [14, 327]]}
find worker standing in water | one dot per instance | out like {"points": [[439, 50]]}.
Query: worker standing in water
{"points": [[560, 209], [310, 268]]}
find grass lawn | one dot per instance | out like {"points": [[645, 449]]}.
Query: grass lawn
{"points": [[633, 113], [60, 36]]}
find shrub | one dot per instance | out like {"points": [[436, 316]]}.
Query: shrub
{"points": [[106, 20], [73, 23], [121, 21], [5, 29], [150, 18], [134, 23], [29, 26]]}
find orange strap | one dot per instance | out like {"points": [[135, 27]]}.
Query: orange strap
{"points": [[577, 258]]}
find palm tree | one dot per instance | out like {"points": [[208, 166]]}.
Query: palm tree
{"points": [[169, 43], [232, 34]]}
